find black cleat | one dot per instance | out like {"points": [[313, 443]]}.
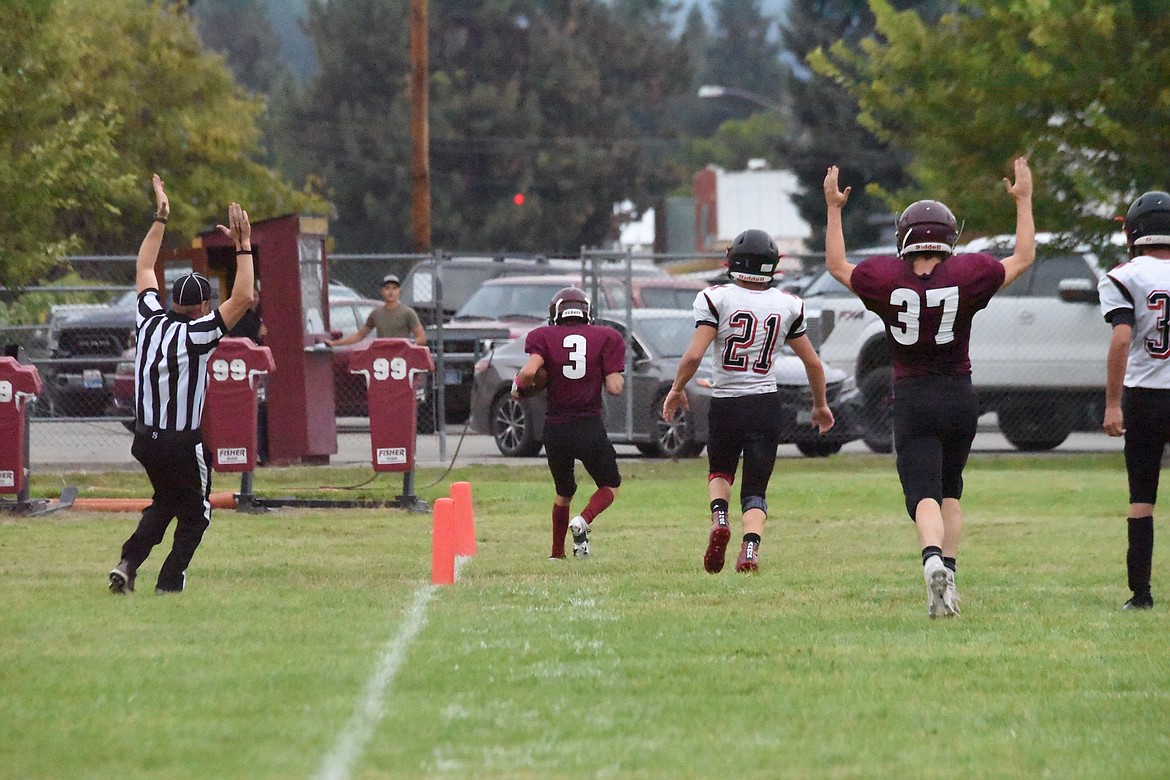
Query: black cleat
{"points": [[121, 580], [1139, 601]]}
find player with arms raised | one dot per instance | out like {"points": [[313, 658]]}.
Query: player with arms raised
{"points": [[580, 358], [747, 321], [927, 297]]}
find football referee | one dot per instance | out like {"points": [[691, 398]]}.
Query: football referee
{"points": [[170, 383]]}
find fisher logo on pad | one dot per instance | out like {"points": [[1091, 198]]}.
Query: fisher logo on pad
{"points": [[232, 455], [391, 455]]}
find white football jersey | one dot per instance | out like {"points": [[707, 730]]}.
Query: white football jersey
{"points": [[751, 326], [1142, 286]]}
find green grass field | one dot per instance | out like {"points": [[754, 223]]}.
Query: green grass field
{"points": [[310, 643]]}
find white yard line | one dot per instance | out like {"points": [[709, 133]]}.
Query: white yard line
{"points": [[351, 742]]}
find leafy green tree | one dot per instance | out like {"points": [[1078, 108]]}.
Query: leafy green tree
{"points": [[1079, 85], [55, 157], [561, 102], [241, 31], [743, 52], [96, 97], [825, 130]]}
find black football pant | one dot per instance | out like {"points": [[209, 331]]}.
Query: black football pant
{"points": [[935, 420], [584, 440], [179, 468]]}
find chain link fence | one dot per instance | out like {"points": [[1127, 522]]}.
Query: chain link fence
{"points": [[1038, 350]]}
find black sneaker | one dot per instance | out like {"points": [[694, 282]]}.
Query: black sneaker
{"points": [[121, 580], [1139, 601]]}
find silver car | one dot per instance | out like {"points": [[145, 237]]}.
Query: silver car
{"points": [[659, 338]]}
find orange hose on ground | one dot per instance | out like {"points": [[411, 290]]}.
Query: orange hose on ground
{"points": [[218, 501]]}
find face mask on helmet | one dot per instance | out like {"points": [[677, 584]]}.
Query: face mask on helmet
{"points": [[927, 226], [1147, 223], [752, 257], [569, 303]]}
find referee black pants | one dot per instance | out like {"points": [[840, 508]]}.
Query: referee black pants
{"points": [[179, 468]]}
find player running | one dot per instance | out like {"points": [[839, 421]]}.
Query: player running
{"points": [[747, 321], [1135, 299], [927, 297], [580, 358]]}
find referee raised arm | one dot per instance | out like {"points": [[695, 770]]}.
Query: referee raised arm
{"points": [[170, 384]]}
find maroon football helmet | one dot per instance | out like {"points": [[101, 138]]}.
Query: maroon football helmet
{"points": [[927, 226], [569, 303]]}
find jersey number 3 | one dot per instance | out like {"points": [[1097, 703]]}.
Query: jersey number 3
{"points": [[907, 329], [576, 344]]}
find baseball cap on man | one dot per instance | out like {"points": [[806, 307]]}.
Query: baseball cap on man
{"points": [[391, 279], [191, 290]]}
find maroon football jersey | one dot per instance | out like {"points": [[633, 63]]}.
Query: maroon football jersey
{"points": [[578, 357], [928, 319]]}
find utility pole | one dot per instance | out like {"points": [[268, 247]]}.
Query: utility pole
{"points": [[420, 166]]}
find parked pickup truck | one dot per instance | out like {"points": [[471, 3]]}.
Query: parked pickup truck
{"points": [[1037, 350]]}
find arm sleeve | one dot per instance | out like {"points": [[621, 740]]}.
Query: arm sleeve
{"points": [[864, 279], [614, 355], [704, 309], [1116, 301], [799, 325], [534, 343], [991, 275], [148, 306]]}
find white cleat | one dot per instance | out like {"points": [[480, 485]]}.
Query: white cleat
{"points": [[939, 598], [580, 531], [952, 591]]}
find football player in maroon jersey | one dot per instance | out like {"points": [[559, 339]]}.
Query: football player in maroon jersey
{"points": [[580, 358], [927, 297], [748, 321]]}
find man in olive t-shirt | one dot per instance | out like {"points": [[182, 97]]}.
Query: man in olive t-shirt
{"points": [[394, 320]]}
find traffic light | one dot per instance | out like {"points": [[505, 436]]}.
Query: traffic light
{"points": [[518, 199]]}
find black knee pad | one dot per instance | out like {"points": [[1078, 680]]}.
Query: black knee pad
{"points": [[753, 502]]}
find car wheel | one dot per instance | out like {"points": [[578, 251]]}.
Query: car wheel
{"points": [[672, 438], [815, 448], [1035, 425], [511, 422], [877, 418]]}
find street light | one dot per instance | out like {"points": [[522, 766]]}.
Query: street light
{"points": [[718, 91]]}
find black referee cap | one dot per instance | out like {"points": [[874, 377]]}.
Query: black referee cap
{"points": [[191, 290]]}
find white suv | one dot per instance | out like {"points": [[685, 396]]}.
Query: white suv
{"points": [[1037, 350]]}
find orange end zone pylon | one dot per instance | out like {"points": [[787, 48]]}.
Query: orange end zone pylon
{"points": [[464, 519], [443, 543]]}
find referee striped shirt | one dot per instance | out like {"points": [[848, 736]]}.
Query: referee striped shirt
{"points": [[170, 364]]}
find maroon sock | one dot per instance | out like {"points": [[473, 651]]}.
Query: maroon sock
{"points": [[598, 502], [560, 527]]}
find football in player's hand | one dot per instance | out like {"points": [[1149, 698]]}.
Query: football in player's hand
{"points": [[539, 383]]}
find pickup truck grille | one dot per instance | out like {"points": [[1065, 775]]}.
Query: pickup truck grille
{"points": [[93, 341]]}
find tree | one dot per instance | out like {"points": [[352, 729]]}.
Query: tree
{"points": [[251, 50], [743, 52], [825, 130], [97, 97], [54, 157], [561, 102], [1079, 86]]}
